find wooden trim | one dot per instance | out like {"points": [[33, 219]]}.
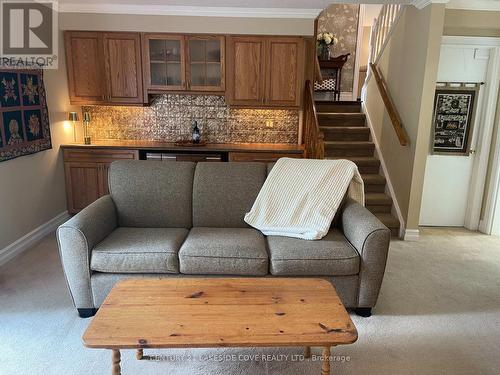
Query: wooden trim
{"points": [[390, 106]]}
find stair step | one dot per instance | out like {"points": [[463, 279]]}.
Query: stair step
{"points": [[366, 164], [341, 119], [390, 222], [349, 148], [374, 183], [346, 133], [378, 199], [343, 106]]}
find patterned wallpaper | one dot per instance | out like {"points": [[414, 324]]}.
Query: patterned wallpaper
{"points": [[169, 118], [342, 20]]}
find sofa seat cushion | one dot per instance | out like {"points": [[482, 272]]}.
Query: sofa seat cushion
{"points": [[224, 251], [139, 250], [333, 255]]}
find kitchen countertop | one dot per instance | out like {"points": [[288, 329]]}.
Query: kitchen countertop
{"points": [[170, 146]]}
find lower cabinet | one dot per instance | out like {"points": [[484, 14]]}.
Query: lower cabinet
{"points": [[86, 168], [264, 157], [87, 174]]}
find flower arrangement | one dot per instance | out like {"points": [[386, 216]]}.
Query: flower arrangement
{"points": [[326, 39]]}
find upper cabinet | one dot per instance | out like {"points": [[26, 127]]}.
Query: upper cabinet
{"points": [[121, 68], [104, 68], [164, 62], [246, 70], [183, 63], [264, 71], [85, 70], [205, 63]]}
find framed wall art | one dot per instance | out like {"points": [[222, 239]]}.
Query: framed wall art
{"points": [[453, 120], [24, 118]]}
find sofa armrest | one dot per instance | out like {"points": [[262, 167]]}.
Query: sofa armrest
{"points": [[371, 239], [76, 239]]}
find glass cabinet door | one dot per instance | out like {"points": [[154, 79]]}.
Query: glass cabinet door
{"points": [[166, 62], [205, 63]]}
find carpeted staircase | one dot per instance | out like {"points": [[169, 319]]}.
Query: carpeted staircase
{"points": [[348, 137]]}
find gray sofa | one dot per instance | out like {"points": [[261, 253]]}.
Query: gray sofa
{"points": [[181, 219]]}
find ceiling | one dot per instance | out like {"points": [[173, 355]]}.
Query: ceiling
{"points": [[244, 8]]}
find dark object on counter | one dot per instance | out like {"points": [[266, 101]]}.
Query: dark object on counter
{"points": [[196, 132]]}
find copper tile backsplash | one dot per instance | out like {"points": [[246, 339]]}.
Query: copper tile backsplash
{"points": [[169, 118]]}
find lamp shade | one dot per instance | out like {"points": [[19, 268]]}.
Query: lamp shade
{"points": [[73, 116]]}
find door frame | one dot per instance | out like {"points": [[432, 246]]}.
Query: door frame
{"points": [[483, 146]]}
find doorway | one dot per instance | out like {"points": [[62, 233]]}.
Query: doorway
{"points": [[454, 185]]}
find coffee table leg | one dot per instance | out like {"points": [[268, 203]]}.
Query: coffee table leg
{"points": [[139, 354], [307, 352], [116, 362], [325, 369]]}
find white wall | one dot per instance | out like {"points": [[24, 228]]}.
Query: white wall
{"points": [[447, 177], [32, 190]]}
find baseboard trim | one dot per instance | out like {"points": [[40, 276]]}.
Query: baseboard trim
{"points": [[411, 235], [30, 239]]}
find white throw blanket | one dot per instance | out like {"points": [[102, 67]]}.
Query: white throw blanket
{"points": [[301, 196]]}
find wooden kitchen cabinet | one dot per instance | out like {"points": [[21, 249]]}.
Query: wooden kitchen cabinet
{"points": [[264, 71], [246, 70], [205, 70], [123, 68], [84, 67], [86, 173], [192, 63], [104, 68]]}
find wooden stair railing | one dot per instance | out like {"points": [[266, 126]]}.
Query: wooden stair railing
{"points": [[313, 136], [390, 106]]}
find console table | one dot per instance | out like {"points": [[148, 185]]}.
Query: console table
{"points": [[331, 71]]}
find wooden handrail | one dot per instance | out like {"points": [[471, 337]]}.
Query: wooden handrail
{"points": [[313, 136], [390, 106]]}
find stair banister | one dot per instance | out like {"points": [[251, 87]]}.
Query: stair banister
{"points": [[390, 106], [313, 136]]}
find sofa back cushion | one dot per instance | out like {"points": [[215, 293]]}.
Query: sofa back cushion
{"points": [[152, 194], [224, 192]]}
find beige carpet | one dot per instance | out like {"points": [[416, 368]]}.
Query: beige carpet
{"points": [[438, 313]]}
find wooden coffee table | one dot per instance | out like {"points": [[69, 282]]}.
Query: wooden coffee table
{"points": [[220, 312]]}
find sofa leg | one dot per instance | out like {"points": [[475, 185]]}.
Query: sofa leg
{"points": [[365, 312], [86, 313]]}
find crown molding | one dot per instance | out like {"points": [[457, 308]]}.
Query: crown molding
{"points": [[488, 5], [421, 4], [167, 10]]}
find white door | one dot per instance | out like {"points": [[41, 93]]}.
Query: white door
{"points": [[447, 180]]}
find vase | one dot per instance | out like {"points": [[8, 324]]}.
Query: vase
{"points": [[324, 52]]}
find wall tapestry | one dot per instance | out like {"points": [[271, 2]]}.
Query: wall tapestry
{"points": [[453, 120], [24, 118]]}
